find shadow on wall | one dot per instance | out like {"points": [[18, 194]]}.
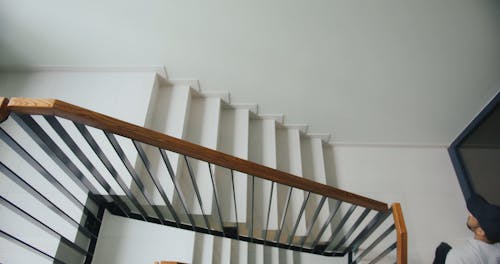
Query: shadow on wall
{"points": [[25, 38], [11, 84]]}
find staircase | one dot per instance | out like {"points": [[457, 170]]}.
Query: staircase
{"points": [[252, 187]]}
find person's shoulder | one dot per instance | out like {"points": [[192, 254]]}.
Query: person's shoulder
{"points": [[466, 254], [456, 256]]}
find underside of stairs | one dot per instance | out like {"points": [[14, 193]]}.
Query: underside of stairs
{"points": [[237, 217]]}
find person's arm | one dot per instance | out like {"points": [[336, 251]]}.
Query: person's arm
{"points": [[441, 253]]}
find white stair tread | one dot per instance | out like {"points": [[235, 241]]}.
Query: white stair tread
{"points": [[302, 127], [280, 118], [254, 108], [224, 95]]}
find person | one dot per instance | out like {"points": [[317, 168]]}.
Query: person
{"points": [[484, 247]]}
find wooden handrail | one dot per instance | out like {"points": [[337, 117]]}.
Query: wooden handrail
{"points": [[402, 235], [4, 111], [62, 109]]}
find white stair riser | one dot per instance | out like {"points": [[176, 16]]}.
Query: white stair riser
{"points": [[233, 140], [203, 129], [290, 160], [314, 169]]}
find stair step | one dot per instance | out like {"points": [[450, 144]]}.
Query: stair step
{"points": [[168, 114], [255, 253], [289, 160], [233, 140], [314, 169], [202, 129], [287, 256], [203, 249], [222, 250], [262, 150], [239, 252], [271, 254]]}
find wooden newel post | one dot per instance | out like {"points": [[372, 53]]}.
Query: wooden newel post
{"points": [[402, 235]]}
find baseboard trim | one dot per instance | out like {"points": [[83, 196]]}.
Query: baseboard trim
{"points": [[386, 145], [161, 70]]}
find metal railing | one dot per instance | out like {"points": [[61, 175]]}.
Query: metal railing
{"points": [[97, 163]]}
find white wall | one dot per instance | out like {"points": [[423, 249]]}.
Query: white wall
{"points": [[372, 71], [123, 95]]}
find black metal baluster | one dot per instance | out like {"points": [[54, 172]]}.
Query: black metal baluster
{"points": [[313, 220], [384, 253], [252, 208], [156, 182], [235, 206], [52, 150], [376, 221], [216, 200], [351, 230], [197, 192], [283, 217], [301, 212], [176, 186], [107, 163], [375, 243], [19, 211], [30, 247], [14, 145], [44, 200], [339, 227], [133, 174], [268, 212], [63, 134], [326, 224]]}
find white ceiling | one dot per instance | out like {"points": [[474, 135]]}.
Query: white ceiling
{"points": [[386, 71]]}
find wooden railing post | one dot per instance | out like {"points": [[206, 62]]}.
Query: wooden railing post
{"points": [[402, 235]]}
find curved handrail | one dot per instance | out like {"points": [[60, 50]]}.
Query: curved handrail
{"points": [[62, 109], [402, 235]]}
